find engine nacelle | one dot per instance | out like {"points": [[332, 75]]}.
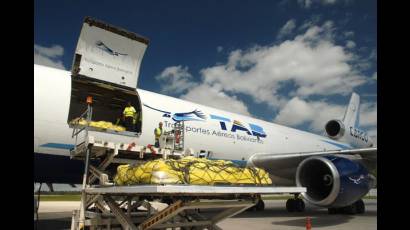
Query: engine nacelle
{"points": [[335, 129], [333, 181]]}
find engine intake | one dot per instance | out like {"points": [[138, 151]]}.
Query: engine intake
{"points": [[333, 181], [335, 129]]}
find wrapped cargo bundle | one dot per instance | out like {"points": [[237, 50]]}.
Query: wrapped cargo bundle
{"points": [[78, 121], [99, 124], [190, 170]]}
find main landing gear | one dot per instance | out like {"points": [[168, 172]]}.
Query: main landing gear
{"points": [[295, 204], [259, 206], [355, 208]]}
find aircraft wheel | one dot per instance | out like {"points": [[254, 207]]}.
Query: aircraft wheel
{"points": [[351, 209], [360, 207], [290, 205], [332, 211], [260, 206], [299, 205]]}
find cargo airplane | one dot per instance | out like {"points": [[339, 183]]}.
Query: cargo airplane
{"points": [[334, 167]]}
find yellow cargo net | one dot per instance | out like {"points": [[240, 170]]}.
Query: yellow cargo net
{"points": [[190, 170], [99, 124]]}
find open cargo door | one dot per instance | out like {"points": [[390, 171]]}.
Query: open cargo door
{"points": [[106, 67], [108, 54]]}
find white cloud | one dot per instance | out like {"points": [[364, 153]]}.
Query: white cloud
{"points": [[213, 96], [49, 56], [368, 115], [219, 49], [305, 3], [294, 113], [311, 61], [308, 3], [316, 113], [348, 34], [350, 44], [314, 20], [175, 79], [373, 55], [329, 2], [368, 120], [287, 29], [374, 76], [284, 76]]}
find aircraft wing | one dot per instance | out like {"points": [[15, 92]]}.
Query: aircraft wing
{"points": [[284, 165]]}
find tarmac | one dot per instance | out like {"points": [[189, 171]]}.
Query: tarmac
{"points": [[57, 215]]}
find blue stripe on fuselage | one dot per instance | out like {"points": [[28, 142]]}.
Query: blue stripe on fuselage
{"points": [[57, 146], [220, 118]]}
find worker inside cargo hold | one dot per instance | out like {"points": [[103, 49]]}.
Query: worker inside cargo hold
{"points": [[130, 115], [158, 133]]}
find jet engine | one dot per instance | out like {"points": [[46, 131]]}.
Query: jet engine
{"points": [[333, 181], [335, 129]]}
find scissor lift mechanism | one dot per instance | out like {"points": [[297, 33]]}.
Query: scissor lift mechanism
{"points": [[116, 206], [109, 206]]}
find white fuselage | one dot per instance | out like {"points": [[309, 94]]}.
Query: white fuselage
{"points": [[52, 135]]}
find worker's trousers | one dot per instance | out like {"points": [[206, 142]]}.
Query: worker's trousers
{"points": [[129, 123]]}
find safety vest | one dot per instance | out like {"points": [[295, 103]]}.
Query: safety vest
{"points": [[158, 133], [129, 111]]}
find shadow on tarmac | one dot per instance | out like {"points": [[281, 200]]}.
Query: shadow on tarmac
{"points": [[323, 220], [58, 223], [320, 221], [319, 218]]}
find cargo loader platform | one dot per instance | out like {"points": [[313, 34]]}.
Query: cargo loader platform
{"points": [[120, 206]]}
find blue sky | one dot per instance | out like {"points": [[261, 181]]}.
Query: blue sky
{"points": [[294, 62]]}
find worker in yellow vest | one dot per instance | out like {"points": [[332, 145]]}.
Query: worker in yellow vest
{"points": [[129, 114], [158, 133]]}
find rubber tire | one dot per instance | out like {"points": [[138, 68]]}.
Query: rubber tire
{"points": [[360, 207], [350, 210], [290, 205], [299, 205], [332, 211], [260, 205]]}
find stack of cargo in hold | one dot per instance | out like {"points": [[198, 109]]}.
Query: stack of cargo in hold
{"points": [[106, 67]]}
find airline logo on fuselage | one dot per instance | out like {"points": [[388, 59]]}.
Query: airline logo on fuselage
{"points": [[195, 115], [226, 124], [358, 134], [255, 130], [108, 50]]}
